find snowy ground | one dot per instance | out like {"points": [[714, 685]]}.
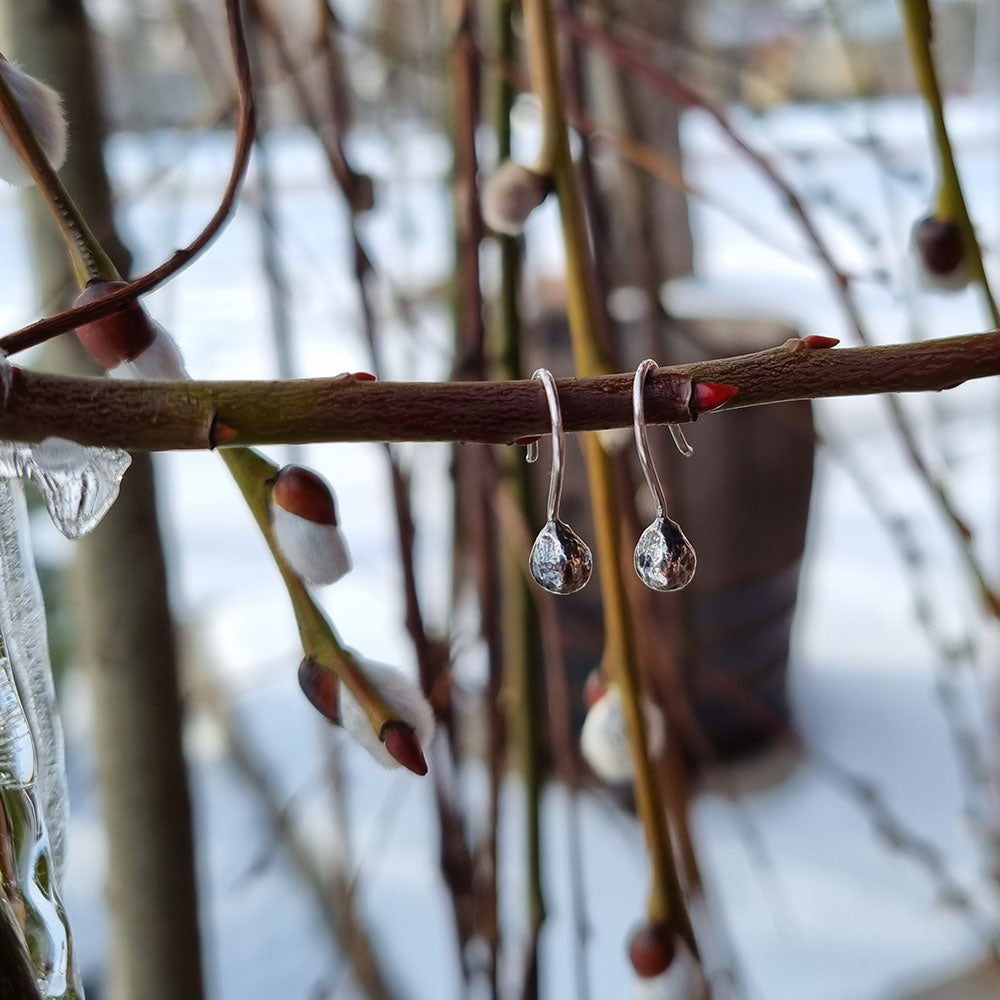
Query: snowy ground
{"points": [[817, 904]]}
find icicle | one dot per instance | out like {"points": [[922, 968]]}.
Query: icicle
{"points": [[78, 484], [33, 797]]}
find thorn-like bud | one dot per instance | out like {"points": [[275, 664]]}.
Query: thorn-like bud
{"points": [[940, 252], [42, 108], [604, 738], [509, 196], [119, 337], [321, 687], [364, 377], [304, 523], [817, 342], [651, 950], [712, 395], [402, 744], [402, 741]]}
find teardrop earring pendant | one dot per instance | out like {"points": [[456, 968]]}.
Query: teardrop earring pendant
{"points": [[664, 559], [560, 560]]}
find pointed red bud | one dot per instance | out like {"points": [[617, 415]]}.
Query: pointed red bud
{"points": [[402, 743], [321, 687], [712, 395], [364, 377], [122, 336], [303, 492], [221, 433], [817, 342], [651, 950]]}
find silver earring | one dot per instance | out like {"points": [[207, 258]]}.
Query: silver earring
{"points": [[560, 560], [664, 559]]}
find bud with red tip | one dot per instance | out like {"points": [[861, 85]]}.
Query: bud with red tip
{"points": [[651, 949], [510, 195], [127, 343], [404, 740], [604, 738], [712, 395], [940, 251], [42, 109], [304, 524]]}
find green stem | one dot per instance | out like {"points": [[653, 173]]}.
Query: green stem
{"points": [[620, 661], [88, 257], [253, 475], [521, 640], [951, 204]]}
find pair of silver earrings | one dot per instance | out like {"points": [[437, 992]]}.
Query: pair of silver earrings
{"points": [[560, 560]]}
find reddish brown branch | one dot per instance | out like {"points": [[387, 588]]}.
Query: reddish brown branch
{"points": [[162, 416]]}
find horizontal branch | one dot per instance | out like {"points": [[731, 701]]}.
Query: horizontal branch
{"points": [[162, 416]]}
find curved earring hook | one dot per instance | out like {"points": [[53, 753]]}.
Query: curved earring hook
{"points": [[642, 442], [560, 560], [664, 558], [558, 447]]}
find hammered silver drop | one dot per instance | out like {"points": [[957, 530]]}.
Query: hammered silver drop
{"points": [[560, 559], [664, 559]]}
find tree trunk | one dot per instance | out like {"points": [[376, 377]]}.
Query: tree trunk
{"points": [[125, 631]]}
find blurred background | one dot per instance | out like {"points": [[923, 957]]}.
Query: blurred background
{"points": [[828, 679]]}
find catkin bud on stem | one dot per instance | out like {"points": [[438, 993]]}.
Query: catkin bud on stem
{"points": [[42, 109], [940, 252], [304, 525], [509, 196], [604, 738], [403, 741]]}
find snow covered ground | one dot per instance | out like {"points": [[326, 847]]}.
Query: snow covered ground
{"points": [[817, 903]]}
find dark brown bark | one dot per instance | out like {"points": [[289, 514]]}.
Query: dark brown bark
{"points": [[161, 416]]}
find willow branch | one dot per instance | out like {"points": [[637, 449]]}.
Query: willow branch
{"points": [[45, 329], [171, 416]]}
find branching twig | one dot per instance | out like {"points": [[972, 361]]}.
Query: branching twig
{"points": [[46, 329]]}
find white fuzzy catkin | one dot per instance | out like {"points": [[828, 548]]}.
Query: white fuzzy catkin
{"points": [[509, 196], [604, 738], [402, 696], [42, 108], [161, 361], [316, 552]]}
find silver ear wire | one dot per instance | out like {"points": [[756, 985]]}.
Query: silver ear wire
{"points": [[664, 559], [560, 560]]}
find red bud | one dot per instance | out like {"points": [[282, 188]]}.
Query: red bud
{"points": [[364, 377], [303, 492], [402, 743], [525, 441], [712, 395], [651, 950], [122, 336], [940, 245], [321, 687], [221, 433], [817, 342]]}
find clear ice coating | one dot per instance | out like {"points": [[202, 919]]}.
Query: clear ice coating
{"points": [[664, 558], [560, 560], [33, 798], [79, 484]]}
